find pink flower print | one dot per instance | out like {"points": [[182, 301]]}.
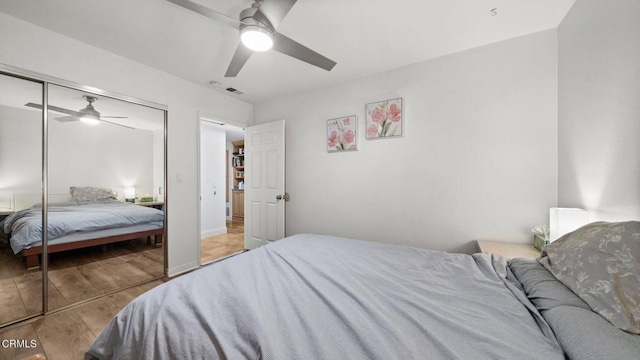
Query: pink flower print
{"points": [[395, 113], [346, 121], [372, 130], [347, 137], [352, 147], [377, 115], [334, 139]]}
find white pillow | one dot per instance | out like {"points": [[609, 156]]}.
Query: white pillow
{"points": [[91, 194]]}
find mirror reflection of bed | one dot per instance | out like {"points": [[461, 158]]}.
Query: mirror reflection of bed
{"points": [[108, 233], [90, 217]]}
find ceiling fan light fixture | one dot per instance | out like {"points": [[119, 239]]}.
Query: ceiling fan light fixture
{"points": [[90, 119], [90, 115], [256, 38]]}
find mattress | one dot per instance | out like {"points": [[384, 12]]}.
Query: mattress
{"points": [[74, 222], [322, 297]]}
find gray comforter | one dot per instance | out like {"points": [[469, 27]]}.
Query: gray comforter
{"points": [[322, 297], [25, 226]]}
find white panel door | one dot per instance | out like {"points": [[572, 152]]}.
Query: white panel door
{"points": [[264, 198]]}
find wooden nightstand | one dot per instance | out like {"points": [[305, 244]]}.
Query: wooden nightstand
{"points": [[508, 250]]}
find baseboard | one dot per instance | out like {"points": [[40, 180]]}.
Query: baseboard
{"points": [[213, 232], [183, 268]]}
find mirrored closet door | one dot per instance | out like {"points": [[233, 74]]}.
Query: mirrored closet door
{"points": [[82, 193], [21, 139], [106, 208]]}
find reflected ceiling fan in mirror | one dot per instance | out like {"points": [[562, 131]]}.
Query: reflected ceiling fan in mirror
{"points": [[257, 26], [88, 114]]}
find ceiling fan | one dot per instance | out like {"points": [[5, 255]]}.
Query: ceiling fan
{"points": [[257, 26], [88, 114]]}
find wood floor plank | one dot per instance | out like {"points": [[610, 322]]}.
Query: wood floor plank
{"points": [[30, 287], [63, 335], [72, 285], [96, 273], [128, 272], [97, 314], [152, 268], [24, 333], [124, 297], [73, 277], [215, 247], [13, 308]]}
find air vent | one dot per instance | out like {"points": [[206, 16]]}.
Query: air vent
{"points": [[235, 91]]}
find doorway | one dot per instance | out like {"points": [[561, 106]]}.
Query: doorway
{"points": [[221, 189]]}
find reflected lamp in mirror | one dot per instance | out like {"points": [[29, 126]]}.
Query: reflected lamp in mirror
{"points": [[565, 220], [130, 194]]}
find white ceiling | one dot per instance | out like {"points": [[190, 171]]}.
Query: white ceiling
{"points": [[17, 92], [363, 36]]}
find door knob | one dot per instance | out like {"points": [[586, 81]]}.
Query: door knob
{"points": [[281, 197]]}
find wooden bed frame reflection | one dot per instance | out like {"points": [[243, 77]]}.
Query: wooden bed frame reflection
{"points": [[31, 255]]}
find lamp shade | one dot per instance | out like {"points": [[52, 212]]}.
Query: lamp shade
{"points": [[130, 193], [565, 220]]}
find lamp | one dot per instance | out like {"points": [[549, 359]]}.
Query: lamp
{"points": [[256, 37], [130, 194], [565, 220]]}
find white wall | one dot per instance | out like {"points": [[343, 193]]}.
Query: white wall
{"points": [[20, 153], [599, 109], [212, 183], [33, 48], [158, 165], [105, 156], [478, 161]]}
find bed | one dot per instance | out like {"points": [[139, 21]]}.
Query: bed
{"points": [[80, 224], [323, 297]]}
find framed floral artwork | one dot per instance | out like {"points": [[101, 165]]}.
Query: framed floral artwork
{"points": [[383, 119], [342, 134]]}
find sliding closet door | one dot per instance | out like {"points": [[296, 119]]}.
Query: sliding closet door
{"points": [[20, 196], [106, 179]]}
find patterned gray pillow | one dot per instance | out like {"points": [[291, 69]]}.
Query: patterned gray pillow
{"points": [[91, 194], [600, 262]]}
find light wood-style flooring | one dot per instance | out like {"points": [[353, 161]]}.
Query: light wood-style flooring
{"points": [[219, 246], [75, 276], [67, 334]]}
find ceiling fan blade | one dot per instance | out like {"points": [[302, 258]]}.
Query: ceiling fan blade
{"points": [[68, 118], [113, 117], [237, 62], [296, 50], [53, 108], [211, 14], [113, 123], [273, 11]]}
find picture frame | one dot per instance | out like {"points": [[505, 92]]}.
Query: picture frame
{"points": [[384, 119], [342, 134]]}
